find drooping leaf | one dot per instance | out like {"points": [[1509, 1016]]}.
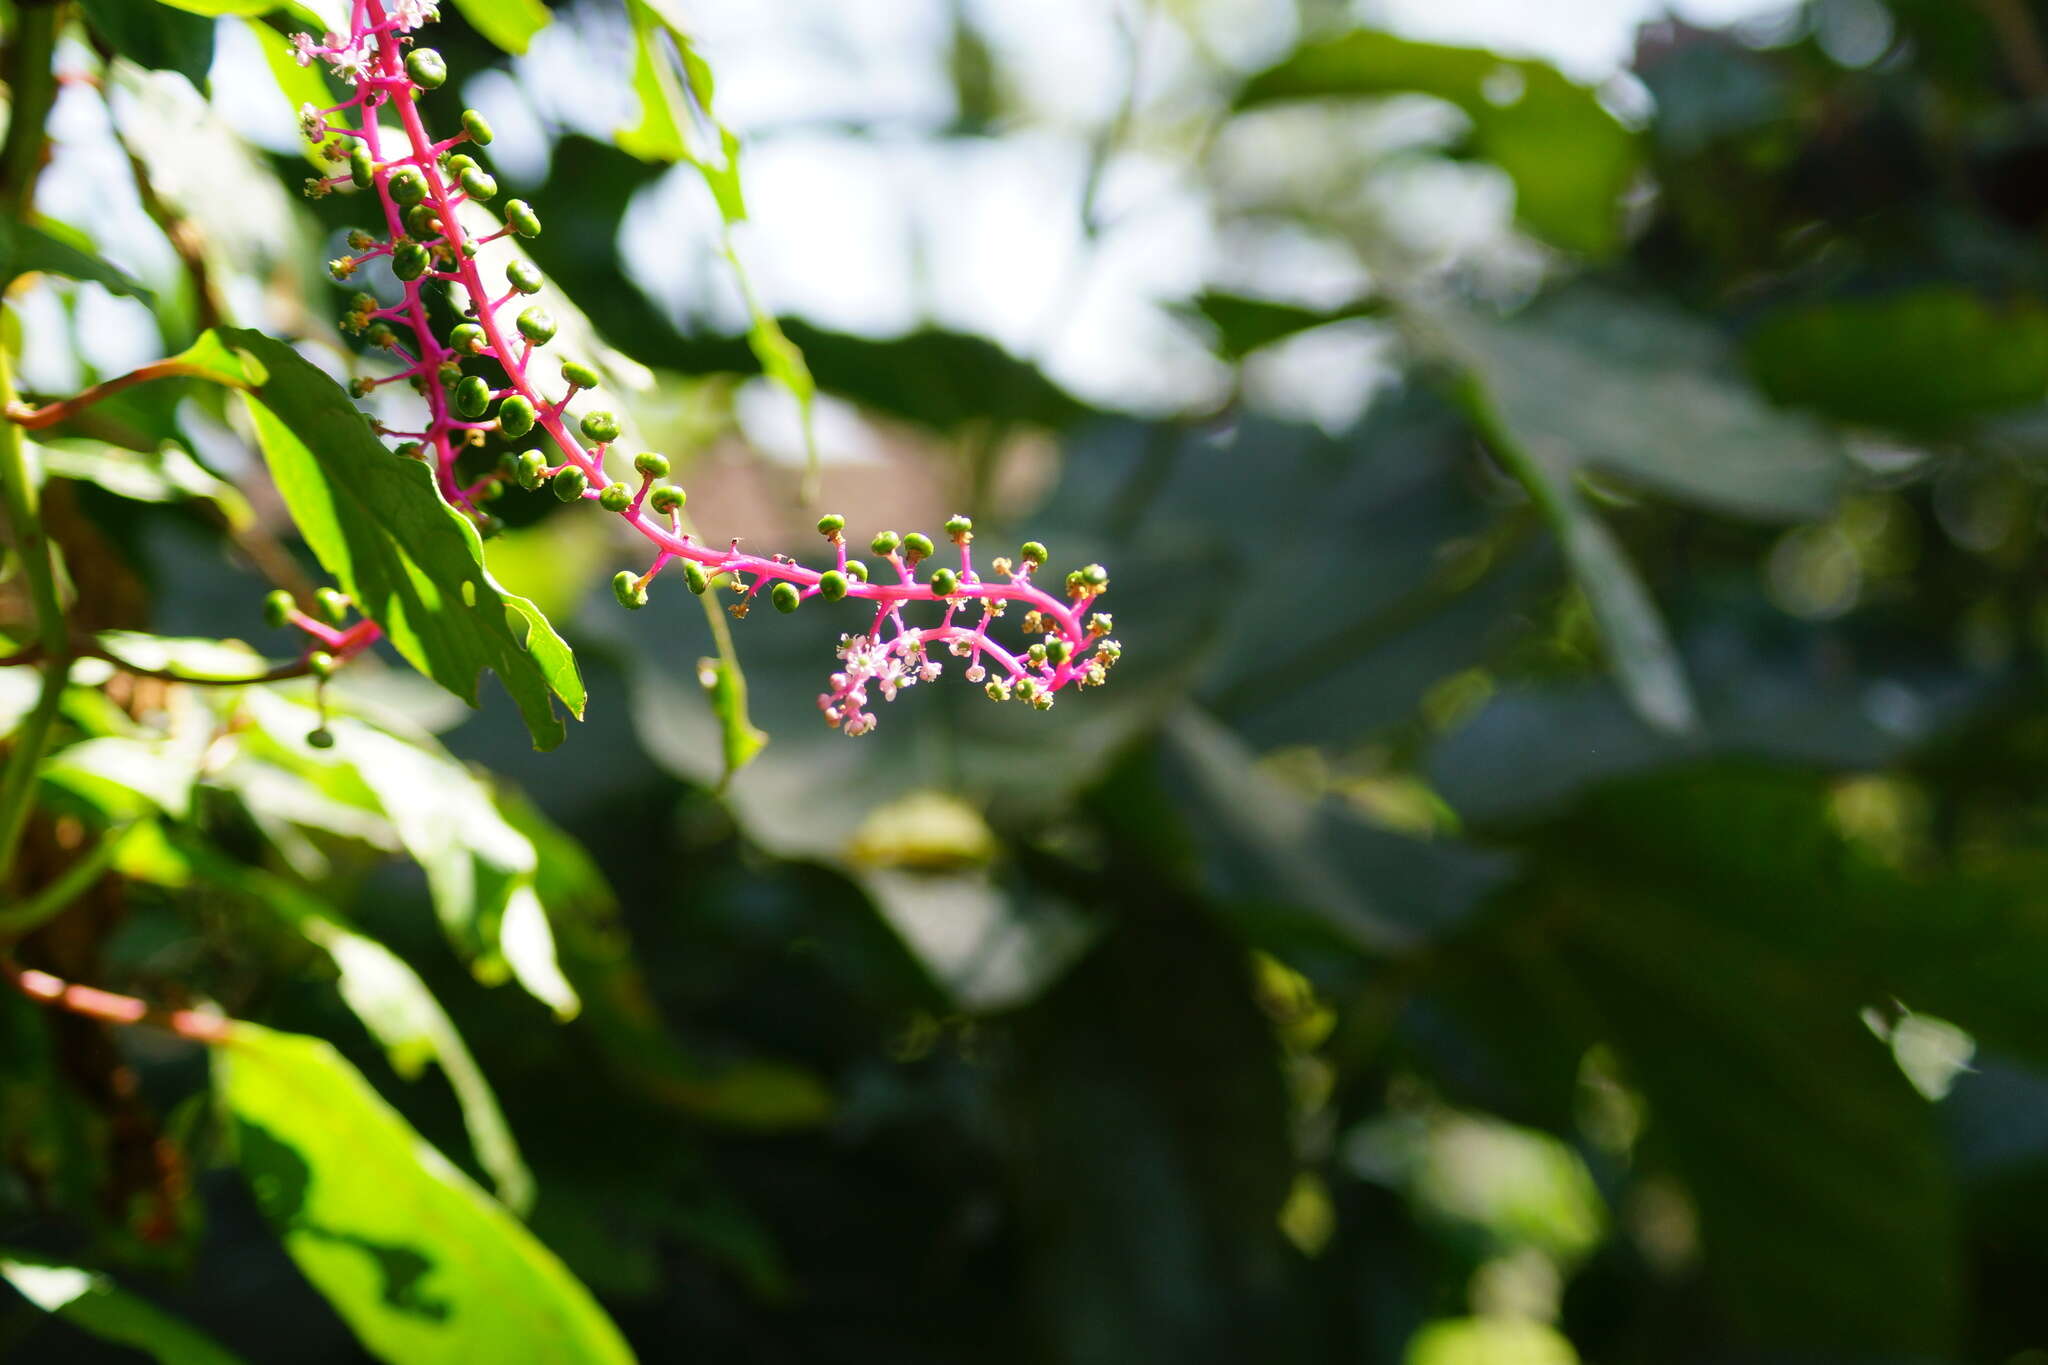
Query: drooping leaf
{"points": [[25, 249], [94, 1303], [423, 1266], [168, 475], [1569, 158], [411, 562]]}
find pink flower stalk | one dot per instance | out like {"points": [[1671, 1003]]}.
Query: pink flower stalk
{"points": [[419, 187]]}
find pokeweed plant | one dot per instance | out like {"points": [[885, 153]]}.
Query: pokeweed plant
{"points": [[484, 377]]}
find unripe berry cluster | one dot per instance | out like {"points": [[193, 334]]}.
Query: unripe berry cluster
{"points": [[420, 187]]}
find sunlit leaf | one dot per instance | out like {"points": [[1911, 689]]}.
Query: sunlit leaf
{"points": [[423, 1266], [24, 249], [510, 24], [95, 1304], [412, 563]]}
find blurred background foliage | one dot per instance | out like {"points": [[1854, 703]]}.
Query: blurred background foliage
{"points": [[1558, 878]]}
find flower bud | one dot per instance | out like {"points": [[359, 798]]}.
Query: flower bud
{"points": [[651, 465], [477, 126], [569, 484], [666, 498], [832, 585], [1033, 553], [616, 497], [578, 375], [626, 587], [601, 427], [320, 664], [961, 529], [945, 582], [277, 609], [830, 525], [362, 167], [426, 68], [333, 605], [472, 397], [407, 186], [521, 218], [917, 545], [537, 325], [524, 277], [694, 575], [322, 738], [531, 470], [785, 596], [515, 416], [468, 339], [410, 261], [885, 543]]}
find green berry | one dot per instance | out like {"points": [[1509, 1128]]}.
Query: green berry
{"points": [[916, 546], [407, 186], [410, 261], [1033, 553], [945, 582], [520, 216], [380, 335], [616, 497], [650, 465], [472, 396], [601, 427], [426, 68], [322, 738], [320, 664], [694, 575], [477, 126], [1059, 651], [570, 483], [578, 375], [478, 185], [830, 525], [468, 339], [855, 569], [537, 325], [666, 498], [885, 543], [333, 605], [362, 167], [515, 416], [423, 221], [455, 165], [626, 587], [531, 470], [832, 585], [959, 528], [1095, 576], [524, 277], [277, 609], [785, 597]]}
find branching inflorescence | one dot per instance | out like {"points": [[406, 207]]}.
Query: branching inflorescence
{"points": [[420, 184]]}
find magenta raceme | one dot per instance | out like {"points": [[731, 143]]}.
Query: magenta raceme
{"points": [[419, 186]]}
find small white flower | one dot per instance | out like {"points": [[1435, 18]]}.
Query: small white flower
{"points": [[976, 674], [928, 670], [410, 14], [304, 49]]}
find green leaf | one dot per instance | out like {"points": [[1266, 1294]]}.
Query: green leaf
{"points": [[168, 475], [24, 249], [667, 131], [1570, 160], [510, 24], [412, 563], [1921, 360], [155, 36], [1591, 379], [726, 687], [1242, 324], [196, 658], [423, 1265], [95, 1304]]}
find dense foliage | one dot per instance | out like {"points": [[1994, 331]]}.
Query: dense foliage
{"points": [[1555, 876]]}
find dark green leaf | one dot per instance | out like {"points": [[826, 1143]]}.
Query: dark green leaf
{"points": [[155, 36], [24, 249], [412, 563], [1242, 325]]}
